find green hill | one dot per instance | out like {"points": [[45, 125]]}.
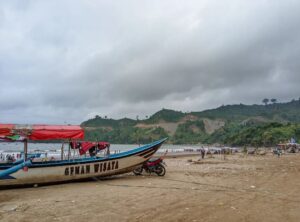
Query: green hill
{"points": [[231, 124], [165, 115]]}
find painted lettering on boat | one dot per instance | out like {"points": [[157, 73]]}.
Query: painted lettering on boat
{"points": [[97, 167]]}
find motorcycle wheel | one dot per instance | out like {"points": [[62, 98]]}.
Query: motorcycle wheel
{"points": [[138, 171], [160, 170]]}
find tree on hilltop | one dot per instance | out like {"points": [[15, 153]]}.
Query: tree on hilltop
{"points": [[265, 101], [274, 101]]}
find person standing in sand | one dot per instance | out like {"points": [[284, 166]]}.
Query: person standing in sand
{"points": [[278, 152], [202, 153]]}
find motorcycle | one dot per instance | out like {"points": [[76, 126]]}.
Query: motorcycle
{"points": [[154, 165]]}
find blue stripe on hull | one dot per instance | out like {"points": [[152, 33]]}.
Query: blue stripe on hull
{"points": [[7, 177], [151, 146]]}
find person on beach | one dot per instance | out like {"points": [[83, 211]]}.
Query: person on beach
{"points": [[202, 153], [278, 153]]}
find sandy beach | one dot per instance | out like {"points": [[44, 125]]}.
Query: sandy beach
{"points": [[239, 188]]}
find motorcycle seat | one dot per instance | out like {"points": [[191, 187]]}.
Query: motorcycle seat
{"points": [[153, 159]]}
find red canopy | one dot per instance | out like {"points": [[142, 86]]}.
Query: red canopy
{"points": [[86, 145], [41, 132]]}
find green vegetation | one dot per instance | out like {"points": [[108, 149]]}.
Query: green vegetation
{"points": [[166, 115], [257, 125], [191, 131], [98, 121], [126, 135], [262, 135], [278, 112]]}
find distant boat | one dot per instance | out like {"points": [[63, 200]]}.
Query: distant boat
{"points": [[28, 171]]}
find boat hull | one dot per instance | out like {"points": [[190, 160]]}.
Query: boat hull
{"points": [[60, 171]]}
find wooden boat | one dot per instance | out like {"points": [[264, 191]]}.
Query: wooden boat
{"points": [[27, 171]]}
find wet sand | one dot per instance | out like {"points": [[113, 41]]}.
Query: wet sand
{"points": [[252, 188]]}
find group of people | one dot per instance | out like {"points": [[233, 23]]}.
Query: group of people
{"points": [[9, 157]]}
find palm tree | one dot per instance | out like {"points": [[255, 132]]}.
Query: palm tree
{"points": [[265, 101]]}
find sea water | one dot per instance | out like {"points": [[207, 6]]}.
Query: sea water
{"points": [[33, 147], [53, 150]]}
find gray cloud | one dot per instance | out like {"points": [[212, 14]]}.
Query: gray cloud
{"points": [[127, 58]]}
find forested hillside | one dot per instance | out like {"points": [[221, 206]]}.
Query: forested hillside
{"points": [[231, 125]]}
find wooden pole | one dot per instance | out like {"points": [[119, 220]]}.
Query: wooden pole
{"points": [[69, 151], [108, 151], [62, 152], [25, 149]]}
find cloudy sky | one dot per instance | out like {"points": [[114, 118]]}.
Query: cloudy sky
{"points": [[66, 61]]}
